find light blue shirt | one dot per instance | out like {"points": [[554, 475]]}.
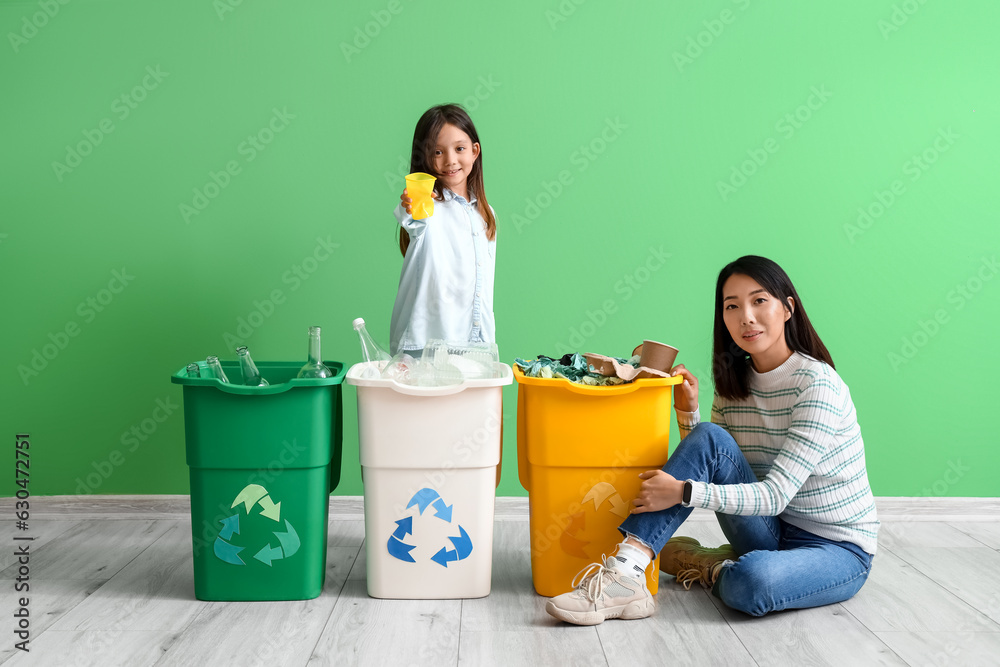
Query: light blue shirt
{"points": [[446, 284]]}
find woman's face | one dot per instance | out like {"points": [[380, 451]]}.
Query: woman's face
{"points": [[756, 320]]}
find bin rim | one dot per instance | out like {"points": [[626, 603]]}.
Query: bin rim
{"points": [[587, 390], [354, 377], [181, 377]]}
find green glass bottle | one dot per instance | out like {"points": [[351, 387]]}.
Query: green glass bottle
{"points": [[251, 376], [314, 367], [193, 370], [216, 368]]}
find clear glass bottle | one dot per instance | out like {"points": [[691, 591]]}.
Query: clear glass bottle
{"points": [[216, 368], [370, 351], [314, 368], [251, 376], [193, 370]]}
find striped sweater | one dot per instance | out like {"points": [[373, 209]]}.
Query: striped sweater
{"points": [[799, 432]]}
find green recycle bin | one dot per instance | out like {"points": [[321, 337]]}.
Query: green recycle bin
{"points": [[263, 461]]}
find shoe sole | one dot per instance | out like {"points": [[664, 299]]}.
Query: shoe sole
{"points": [[629, 612]]}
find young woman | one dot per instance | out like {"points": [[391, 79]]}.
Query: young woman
{"points": [[782, 465]]}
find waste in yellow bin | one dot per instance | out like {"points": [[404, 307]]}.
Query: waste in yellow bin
{"points": [[580, 450]]}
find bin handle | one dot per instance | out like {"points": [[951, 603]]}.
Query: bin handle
{"points": [[596, 391], [523, 471], [619, 390]]}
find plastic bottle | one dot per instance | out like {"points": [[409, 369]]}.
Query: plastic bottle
{"points": [[370, 351], [251, 376], [314, 368], [193, 371], [216, 368]]}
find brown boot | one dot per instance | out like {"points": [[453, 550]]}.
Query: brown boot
{"points": [[688, 561]]}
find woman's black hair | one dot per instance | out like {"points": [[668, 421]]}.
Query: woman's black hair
{"points": [[730, 363], [424, 138]]}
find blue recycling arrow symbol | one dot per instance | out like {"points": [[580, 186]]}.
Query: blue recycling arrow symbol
{"points": [[423, 499], [463, 547], [442, 510], [398, 548], [404, 528]]}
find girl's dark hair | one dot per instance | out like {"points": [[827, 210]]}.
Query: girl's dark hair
{"points": [[424, 139], [730, 363]]}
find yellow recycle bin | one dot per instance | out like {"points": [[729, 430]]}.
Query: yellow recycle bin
{"points": [[580, 450]]}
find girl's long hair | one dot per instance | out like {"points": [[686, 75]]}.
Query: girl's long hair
{"points": [[424, 139], [730, 363]]}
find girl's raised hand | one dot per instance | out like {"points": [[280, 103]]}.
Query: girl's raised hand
{"points": [[406, 201], [659, 491], [686, 393]]}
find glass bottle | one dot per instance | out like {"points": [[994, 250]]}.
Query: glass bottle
{"points": [[193, 371], [251, 376], [370, 350], [314, 368], [216, 368]]}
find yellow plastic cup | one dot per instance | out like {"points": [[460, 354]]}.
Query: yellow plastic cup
{"points": [[419, 187]]}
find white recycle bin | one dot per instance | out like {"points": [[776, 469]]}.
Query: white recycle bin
{"points": [[430, 465]]}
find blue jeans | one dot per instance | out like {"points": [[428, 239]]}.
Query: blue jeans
{"points": [[779, 566]]}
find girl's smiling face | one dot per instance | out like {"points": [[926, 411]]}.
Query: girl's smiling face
{"points": [[756, 321], [452, 158]]}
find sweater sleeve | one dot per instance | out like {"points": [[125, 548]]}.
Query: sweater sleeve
{"points": [[686, 421], [814, 422]]}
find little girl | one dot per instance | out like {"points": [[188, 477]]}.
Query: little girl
{"points": [[446, 284], [782, 465]]}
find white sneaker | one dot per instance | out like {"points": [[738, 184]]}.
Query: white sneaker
{"points": [[602, 592]]}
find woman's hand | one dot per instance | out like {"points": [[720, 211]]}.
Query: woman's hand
{"points": [[659, 491], [406, 201], [686, 393]]}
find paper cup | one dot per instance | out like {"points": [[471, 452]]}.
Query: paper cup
{"points": [[657, 356]]}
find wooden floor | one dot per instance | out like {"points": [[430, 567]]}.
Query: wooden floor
{"points": [[111, 584]]}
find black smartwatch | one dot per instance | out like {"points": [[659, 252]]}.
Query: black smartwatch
{"points": [[688, 487]]}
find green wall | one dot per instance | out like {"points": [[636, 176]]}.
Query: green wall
{"points": [[612, 134]]}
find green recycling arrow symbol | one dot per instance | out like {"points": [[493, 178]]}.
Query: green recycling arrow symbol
{"points": [[288, 539]]}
